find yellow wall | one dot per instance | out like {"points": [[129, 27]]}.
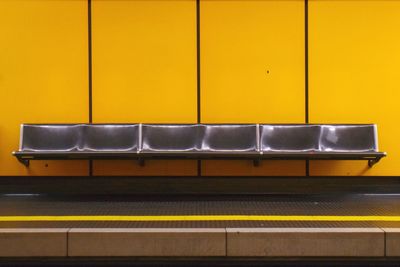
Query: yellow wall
{"points": [[252, 71], [354, 75], [43, 75], [144, 70]]}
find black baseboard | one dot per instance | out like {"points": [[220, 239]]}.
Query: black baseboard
{"points": [[122, 185], [212, 261]]}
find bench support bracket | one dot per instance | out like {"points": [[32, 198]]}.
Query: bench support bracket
{"points": [[256, 162], [372, 162], [141, 162], [24, 161]]}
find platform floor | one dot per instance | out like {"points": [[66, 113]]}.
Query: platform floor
{"points": [[351, 225], [351, 210]]}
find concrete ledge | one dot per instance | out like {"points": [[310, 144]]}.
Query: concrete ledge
{"points": [[147, 242], [252, 242], [33, 242], [295, 242], [392, 242]]}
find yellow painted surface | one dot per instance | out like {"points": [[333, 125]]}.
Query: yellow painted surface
{"points": [[185, 218], [152, 167], [252, 71], [246, 168], [354, 75], [43, 75], [144, 70]]}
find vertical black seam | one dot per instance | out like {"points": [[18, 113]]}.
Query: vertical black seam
{"points": [[67, 242], [384, 242], [90, 57], [198, 73], [90, 72], [306, 73], [226, 242], [198, 60], [306, 61]]}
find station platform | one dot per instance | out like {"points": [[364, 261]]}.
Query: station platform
{"points": [[240, 228]]}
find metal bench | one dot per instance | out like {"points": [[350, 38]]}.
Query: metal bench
{"points": [[198, 141], [320, 142]]}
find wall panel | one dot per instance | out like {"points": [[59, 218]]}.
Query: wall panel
{"points": [[252, 71], [43, 75], [144, 70], [354, 75]]}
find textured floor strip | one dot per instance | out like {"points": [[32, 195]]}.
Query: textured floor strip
{"points": [[157, 218]]}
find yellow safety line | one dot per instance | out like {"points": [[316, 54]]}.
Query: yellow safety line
{"points": [[158, 218]]}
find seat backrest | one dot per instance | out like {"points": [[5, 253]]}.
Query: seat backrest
{"points": [[45, 137], [229, 138], [351, 138], [170, 138], [110, 137], [289, 138]]}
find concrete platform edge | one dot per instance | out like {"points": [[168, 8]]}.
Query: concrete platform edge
{"points": [[194, 242]]}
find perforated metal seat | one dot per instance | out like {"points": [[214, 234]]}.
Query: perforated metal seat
{"points": [[348, 138], [289, 138], [110, 138], [77, 141], [230, 139], [50, 138], [170, 139]]}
